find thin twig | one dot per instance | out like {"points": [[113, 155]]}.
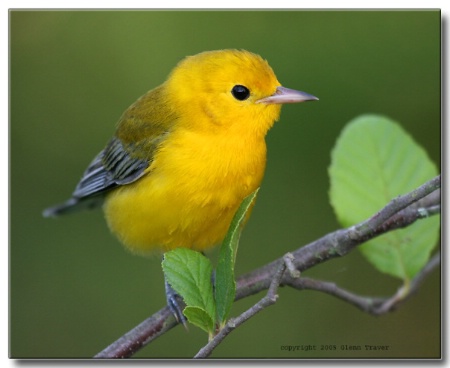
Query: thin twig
{"points": [[270, 298], [375, 306], [407, 291], [398, 204]]}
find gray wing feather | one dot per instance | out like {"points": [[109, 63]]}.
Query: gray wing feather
{"points": [[110, 168]]}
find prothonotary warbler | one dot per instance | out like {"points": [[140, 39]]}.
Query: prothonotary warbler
{"points": [[186, 153]]}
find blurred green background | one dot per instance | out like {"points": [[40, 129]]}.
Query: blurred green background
{"points": [[74, 289]]}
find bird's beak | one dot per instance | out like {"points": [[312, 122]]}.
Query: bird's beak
{"points": [[286, 95]]}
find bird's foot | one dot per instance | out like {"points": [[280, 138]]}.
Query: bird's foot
{"points": [[175, 304]]}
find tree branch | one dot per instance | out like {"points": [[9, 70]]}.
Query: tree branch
{"points": [[400, 212], [341, 242], [148, 330]]}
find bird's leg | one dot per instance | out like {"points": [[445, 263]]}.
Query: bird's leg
{"points": [[173, 302]]}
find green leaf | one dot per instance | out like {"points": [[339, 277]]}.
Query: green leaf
{"points": [[200, 318], [225, 288], [373, 161], [189, 274]]}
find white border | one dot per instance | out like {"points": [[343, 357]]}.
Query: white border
{"points": [[92, 4]]}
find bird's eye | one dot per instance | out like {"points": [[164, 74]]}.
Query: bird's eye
{"points": [[240, 93]]}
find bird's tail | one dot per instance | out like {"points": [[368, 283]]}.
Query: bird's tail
{"points": [[73, 205]]}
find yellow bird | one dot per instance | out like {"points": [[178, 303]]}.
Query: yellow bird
{"points": [[186, 153]]}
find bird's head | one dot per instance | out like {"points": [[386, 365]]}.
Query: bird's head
{"points": [[235, 89]]}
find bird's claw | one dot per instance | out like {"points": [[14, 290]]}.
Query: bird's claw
{"points": [[175, 304]]}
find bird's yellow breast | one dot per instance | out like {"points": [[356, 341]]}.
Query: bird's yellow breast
{"points": [[193, 188]]}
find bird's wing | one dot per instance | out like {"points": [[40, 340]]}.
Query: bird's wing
{"points": [[126, 158], [113, 166]]}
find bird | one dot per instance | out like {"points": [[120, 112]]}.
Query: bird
{"points": [[185, 155]]}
